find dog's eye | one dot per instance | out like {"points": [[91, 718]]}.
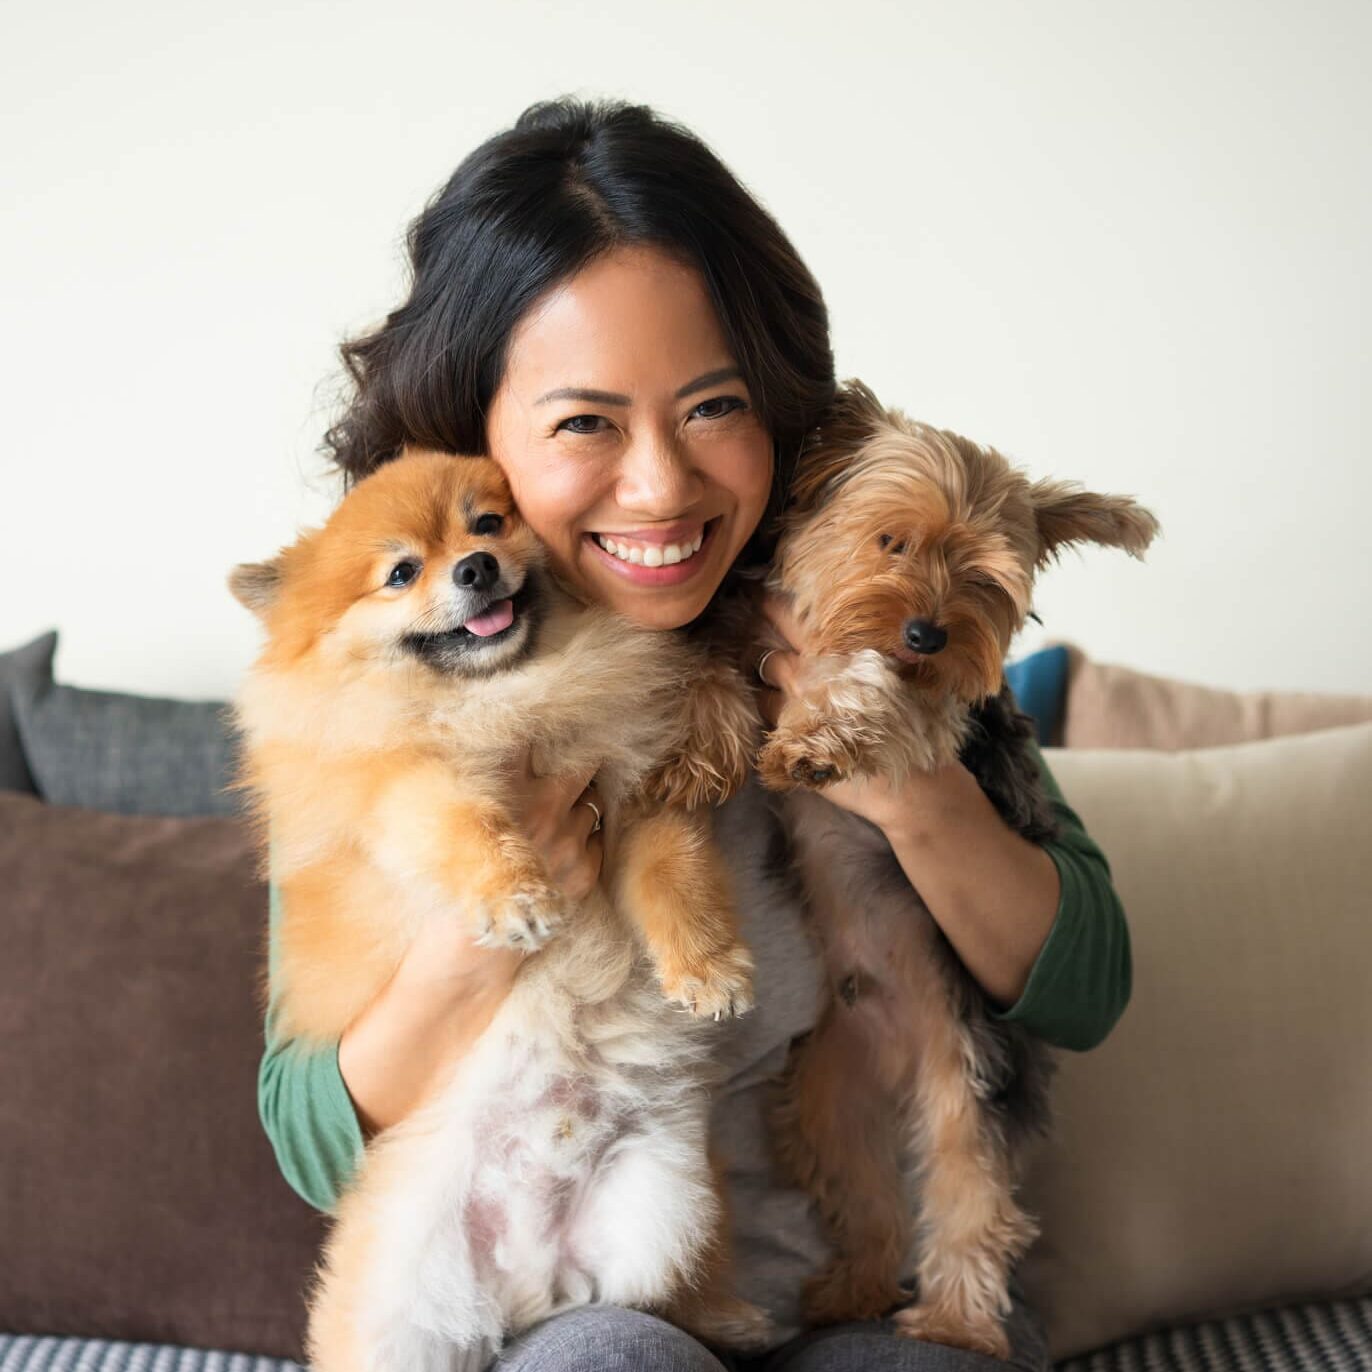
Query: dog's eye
{"points": [[890, 545], [402, 574], [488, 524]]}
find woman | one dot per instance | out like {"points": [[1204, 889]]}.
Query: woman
{"points": [[598, 304]]}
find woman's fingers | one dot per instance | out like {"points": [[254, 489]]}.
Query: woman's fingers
{"points": [[779, 612]]}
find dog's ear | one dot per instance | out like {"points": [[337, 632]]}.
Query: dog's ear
{"points": [[853, 417], [256, 585], [1066, 514]]}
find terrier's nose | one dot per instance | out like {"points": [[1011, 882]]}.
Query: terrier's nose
{"points": [[924, 636], [476, 572]]}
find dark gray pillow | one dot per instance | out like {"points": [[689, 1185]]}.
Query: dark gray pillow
{"points": [[20, 663], [134, 755]]}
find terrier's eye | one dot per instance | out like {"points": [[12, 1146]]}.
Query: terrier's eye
{"points": [[402, 574], [488, 524], [891, 546]]}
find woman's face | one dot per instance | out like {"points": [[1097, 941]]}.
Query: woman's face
{"points": [[629, 439]]}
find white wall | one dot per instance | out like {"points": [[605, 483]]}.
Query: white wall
{"points": [[1124, 243]]}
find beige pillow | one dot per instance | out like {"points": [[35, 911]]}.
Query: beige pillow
{"points": [[1116, 707], [1215, 1151]]}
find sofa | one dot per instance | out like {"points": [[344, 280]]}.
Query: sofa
{"points": [[1205, 1198]]}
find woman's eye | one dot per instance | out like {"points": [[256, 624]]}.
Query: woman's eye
{"points": [[719, 407], [583, 424], [489, 524], [402, 574]]}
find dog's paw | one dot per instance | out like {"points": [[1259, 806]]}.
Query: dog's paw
{"points": [[688, 782], [937, 1324], [788, 761], [525, 919], [732, 1323], [841, 1293], [717, 987]]}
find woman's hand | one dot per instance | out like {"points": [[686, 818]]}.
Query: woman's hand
{"points": [[557, 816], [875, 797]]}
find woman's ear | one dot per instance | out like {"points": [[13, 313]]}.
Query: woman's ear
{"points": [[257, 585]]}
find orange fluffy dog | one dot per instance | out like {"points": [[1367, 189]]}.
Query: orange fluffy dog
{"points": [[417, 645]]}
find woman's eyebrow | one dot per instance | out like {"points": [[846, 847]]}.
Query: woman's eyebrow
{"points": [[594, 397], [710, 379]]}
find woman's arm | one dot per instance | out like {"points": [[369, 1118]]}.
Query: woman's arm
{"points": [[1041, 929]]}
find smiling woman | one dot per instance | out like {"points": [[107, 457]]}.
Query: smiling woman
{"points": [[598, 305], [647, 499]]}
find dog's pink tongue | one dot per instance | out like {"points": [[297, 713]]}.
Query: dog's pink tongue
{"points": [[499, 616]]}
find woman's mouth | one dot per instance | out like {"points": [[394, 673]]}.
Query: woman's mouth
{"points": [[656, 562]]}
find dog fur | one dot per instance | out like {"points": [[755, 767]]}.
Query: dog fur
{"points": [[905, 1113], [565, 1159]]}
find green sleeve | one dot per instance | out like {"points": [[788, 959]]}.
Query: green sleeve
{"points": [[304, 1105], [1083, 975]]}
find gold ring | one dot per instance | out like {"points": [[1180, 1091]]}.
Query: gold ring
{"points": [[595, 828], [761, 663]]}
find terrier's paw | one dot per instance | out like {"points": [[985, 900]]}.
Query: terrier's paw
{"points": [[788, 761], [935, 1324], [841, 1293], [732, 1323], [717, 987], [525, 919]]}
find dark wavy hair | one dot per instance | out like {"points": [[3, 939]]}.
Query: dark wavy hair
{"points": [[574, 179]]}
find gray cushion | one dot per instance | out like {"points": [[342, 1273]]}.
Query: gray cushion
{"points": [[21, 663], [134, 755]]}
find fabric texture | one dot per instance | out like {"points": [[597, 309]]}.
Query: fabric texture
{"points": [[1318, 1336], [20, 665], [1212, 1155], [611, 1339], [129, 754], [1116, 707], [139, 1198]]}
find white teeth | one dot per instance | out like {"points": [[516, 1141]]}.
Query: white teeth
{"points": [[652, 554]]}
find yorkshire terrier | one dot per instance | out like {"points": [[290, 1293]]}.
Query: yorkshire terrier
{"points": [[416, 646], [909, 555]]}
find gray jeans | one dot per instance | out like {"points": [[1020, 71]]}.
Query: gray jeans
{"points": [[607, 1338]]}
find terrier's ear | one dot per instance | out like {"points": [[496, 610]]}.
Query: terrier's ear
{"points": [[854, 415], [1067, 514], [256, 585]]}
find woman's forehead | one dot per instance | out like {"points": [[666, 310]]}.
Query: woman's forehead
{"points": [[634, 323]]}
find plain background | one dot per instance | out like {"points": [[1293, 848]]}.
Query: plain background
{"points": [[1125, 244]]}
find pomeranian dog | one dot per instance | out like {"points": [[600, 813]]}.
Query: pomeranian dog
{"points": [[417, 645], [909, 556]]}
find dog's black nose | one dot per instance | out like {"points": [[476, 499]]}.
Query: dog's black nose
{"points": [[924, 636], [476, 572]]}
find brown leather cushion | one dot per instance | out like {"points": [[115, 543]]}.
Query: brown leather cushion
{"points": [[1117, 707], [140, 1198]]}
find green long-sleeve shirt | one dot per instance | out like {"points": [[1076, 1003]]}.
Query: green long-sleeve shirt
{"points": [[1077, 990]]}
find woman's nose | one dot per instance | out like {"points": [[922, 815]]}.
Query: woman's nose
{"points": [[656, 477]]}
